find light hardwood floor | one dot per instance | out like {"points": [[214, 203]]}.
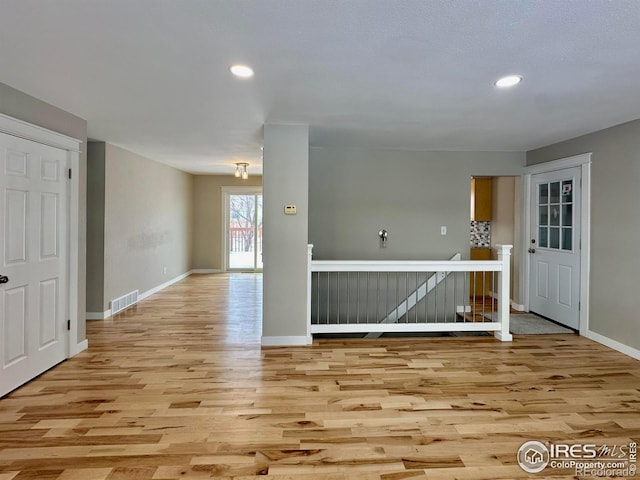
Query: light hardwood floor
{"points": [[178, 387]]}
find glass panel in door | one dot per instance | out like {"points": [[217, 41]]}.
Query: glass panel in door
{"points": [[242, 214], [258, 248], [555, 217], [244, 241]]}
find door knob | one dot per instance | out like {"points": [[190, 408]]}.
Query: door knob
{"points": [[532, 250], [4, 279]]}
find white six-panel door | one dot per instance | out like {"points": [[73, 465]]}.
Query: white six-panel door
{"points": [[33, 249], [554, 248]]}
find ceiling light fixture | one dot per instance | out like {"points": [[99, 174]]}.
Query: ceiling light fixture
{"points": [[508, 81], [242, 170], [242, 71]]}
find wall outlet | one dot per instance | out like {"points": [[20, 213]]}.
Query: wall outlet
{"points": [[164, 270], [443, 230]]}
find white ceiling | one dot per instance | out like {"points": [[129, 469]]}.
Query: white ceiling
{"points": [[152, 75]]}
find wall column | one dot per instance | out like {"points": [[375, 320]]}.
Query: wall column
{"points": [[285, 237]]}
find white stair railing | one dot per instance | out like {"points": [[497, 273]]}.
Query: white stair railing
{"points": [[340, 292]]}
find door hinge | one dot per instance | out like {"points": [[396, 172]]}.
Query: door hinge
{"points": [[69, 174], [579, 305], [68, 324]]}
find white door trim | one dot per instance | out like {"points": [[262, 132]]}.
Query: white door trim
{"points": [[18, 128], [584, 162], [226, 191], [34, 133]]}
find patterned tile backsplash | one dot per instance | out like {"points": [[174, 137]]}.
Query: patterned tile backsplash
{"points": [[480, 234]]}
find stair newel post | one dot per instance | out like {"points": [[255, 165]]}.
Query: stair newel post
{"points": [[309, 277], [504, 256]]}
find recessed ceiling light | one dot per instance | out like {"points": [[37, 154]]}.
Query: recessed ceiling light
{"points": [[241, 71], [508, 81]]}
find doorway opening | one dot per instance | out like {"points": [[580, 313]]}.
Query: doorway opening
{"points": [[495, 220], [243, 229]]}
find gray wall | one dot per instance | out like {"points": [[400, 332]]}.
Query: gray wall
{"points": [[208, 217], [29, 109], [517, 293], [615, 226], [285, 181], [148, 223], [503, 216], [95, 226], [502, 211], [353, 193]]}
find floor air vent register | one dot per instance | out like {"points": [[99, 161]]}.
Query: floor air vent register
{"points": [[125, 301]]}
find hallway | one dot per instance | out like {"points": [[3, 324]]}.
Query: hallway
{"points": [[178, 387]]}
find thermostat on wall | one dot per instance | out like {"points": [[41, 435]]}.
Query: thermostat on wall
{"points": [[290, 210]]}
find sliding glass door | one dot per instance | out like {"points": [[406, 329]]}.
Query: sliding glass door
{"points": [[243, 236]]}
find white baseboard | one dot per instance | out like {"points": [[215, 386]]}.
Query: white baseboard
{"points": [[76, 349], [201, 271], [614, 344], [164, 285], [142, 296], [517, 306], [287, 341], [514, 305]]}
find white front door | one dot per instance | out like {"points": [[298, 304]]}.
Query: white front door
{"points": [[554, 248], [33, 246]]}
